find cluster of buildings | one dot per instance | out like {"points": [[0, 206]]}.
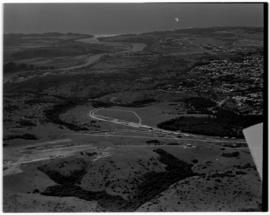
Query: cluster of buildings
{"points": [[241, 81]]}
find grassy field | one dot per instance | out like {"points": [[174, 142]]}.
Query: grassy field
{"points": [[119, 114]]}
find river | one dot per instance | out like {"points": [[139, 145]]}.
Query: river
{"points": [[135, 47]]}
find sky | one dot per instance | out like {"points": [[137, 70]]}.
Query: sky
{"points": [[116, 18]]}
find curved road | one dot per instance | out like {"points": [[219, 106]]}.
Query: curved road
{"points": [[127, 111], [134, 47], [93, 115]]}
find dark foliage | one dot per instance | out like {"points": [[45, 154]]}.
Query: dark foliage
{"points": [[98, 104], [27, 123], [152, 142], [24, 136], [230, 154], [200, 104], [226, 123], [71, 179], [140, 103], [153, 184], [11, 67], [110, 202], [53, 115]]}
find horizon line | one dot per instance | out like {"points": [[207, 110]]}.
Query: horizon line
{"points": [[142, 32]]}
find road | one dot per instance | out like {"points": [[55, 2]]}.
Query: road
{"points": [[134, 47], [44, 151], [127, 111], [93, 115], [91, 59], [146, 129]]}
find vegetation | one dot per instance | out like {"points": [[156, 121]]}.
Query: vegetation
{"points": [[25, 122], [53, 115], [24, 136], [178, 72], [223, 124], [71, 178], [153, 183], [230, 155], [155, 142], [200, 104]]}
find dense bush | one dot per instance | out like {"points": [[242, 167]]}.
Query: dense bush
{"points": [[24, 122], [11, 67], [230, 125], [200, 104], [24, 136]]}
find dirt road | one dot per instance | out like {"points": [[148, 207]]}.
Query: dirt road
{"points": [[93, 115]]}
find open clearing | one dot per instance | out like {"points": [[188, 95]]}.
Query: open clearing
{"points": [[126, 115]]}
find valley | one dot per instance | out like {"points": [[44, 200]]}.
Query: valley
{"points": [[136, 122]]}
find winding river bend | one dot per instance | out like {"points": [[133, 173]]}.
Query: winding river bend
{"points": [[134, 47], [90, 59]]}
